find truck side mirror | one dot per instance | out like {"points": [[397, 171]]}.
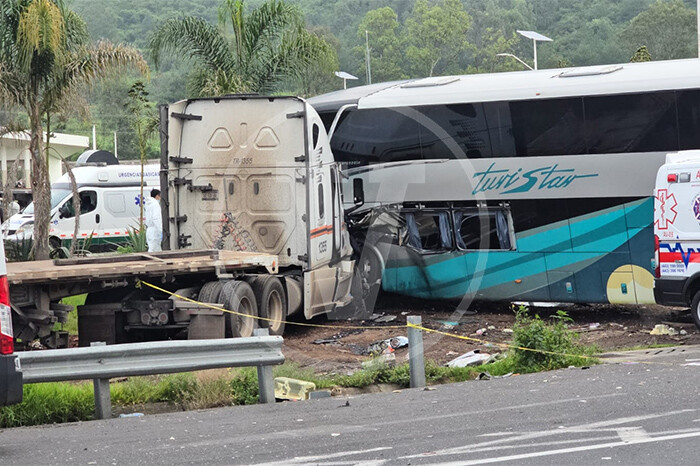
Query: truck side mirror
{"points": [[358, 192]]}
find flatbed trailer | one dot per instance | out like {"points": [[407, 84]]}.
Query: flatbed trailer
{"points": [[36, 287]]}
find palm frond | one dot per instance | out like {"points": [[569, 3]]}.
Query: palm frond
{"points": [[195, 39], [268, 22]]}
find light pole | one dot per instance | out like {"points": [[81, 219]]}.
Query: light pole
{"points": [[521, 61], [536, 37], [345, 76]]}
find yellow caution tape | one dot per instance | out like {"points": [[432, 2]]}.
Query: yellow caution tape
{"points": [[302, 324], [364, 327]]}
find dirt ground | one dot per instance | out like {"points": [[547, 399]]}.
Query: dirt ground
{"points": [[611, 327]]}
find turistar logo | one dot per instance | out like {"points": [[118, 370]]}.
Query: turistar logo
{"points": [[666, 208]]}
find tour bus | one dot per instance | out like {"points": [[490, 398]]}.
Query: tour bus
{"points": [[110, 199], [526, 186]]}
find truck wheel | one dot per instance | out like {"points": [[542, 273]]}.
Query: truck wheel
{"points": [[211, 292], [272, 303], [238, 296], [695, 309]]}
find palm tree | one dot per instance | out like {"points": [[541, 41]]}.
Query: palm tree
{"points": [[268, 45], [45, 56]]}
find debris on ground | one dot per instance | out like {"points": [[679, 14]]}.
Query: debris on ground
{"points": [[486, 376], [382, 318], [287, 388], [388, 359], [472, 358], [663, 329]]}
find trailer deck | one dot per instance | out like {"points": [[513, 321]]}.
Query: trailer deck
{"points": [[137, 264]]}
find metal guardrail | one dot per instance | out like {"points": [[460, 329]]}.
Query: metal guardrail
{"points": [[101, 363]]}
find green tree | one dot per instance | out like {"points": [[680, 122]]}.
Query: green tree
{"points": [[145, 122], [641, 55], [45, 55], [381, 26], [269, 44], [668, 29], [436, 36]]}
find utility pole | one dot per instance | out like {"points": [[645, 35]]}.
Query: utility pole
{"points": [[369, 69], [116, 155], [94, 137]]}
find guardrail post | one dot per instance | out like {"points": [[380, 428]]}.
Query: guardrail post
{"points": [[266, 382], [103, 400], [416, 362]]}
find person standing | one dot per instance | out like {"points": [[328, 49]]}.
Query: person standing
{"points": [[154, 222]]}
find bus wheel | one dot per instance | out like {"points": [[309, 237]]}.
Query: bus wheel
{"points": [[695, 308], [272, 303], [211, 292], [238, 296]]}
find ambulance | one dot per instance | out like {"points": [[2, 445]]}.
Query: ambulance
{"points": [[677, 232], [110, 200]]}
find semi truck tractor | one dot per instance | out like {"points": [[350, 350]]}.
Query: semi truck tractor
{"points": [[253, 222]]}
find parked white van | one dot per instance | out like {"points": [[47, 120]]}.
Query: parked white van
{"points": [[109, 205]]}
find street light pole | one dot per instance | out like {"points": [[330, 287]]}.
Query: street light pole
{"points": [[517, 58], [536, 37]]}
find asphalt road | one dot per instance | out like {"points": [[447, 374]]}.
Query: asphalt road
{"points": [[633, 413]]}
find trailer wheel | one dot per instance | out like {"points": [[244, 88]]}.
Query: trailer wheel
{"points": [[695, 309], [211, 292], [238, 296], [272, 303]]}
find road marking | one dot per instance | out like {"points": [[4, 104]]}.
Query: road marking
{"points": [[574, 429], [562, 451], [632, 434], [318, 458]]}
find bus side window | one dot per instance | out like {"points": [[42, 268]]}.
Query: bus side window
{"points": [[483, 230], [428, 231]]}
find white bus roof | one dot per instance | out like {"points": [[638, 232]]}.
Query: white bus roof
{"points": [[520, 85]]}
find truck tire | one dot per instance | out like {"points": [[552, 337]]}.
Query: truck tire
{"points": [[211, 292], [238, 296], [272, 303], [695, 309]]}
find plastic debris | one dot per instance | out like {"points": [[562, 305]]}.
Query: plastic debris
{"points": [[382, 318], [287, 388], [131, 415], [507, 330], [398, 342], [491, 327], [481, 331], [472, 358], [593, 326], [683, 332], [663, 329], [486, 376], [448, 324]]}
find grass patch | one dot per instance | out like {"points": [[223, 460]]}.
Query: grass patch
{"points": [[71, 326]]}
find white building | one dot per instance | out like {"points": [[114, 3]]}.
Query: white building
{"points": [[15, 147]]}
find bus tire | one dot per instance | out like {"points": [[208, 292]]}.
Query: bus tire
{"points": [[272, 303], [238, 296], [695, 309]]}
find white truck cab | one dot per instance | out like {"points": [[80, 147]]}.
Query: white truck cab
{"points": [[677, 231]]}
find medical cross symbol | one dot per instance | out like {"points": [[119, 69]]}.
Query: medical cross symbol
{"points": [[666, 208]]}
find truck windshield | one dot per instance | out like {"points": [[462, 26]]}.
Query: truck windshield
{"points": [[57, 195]]}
